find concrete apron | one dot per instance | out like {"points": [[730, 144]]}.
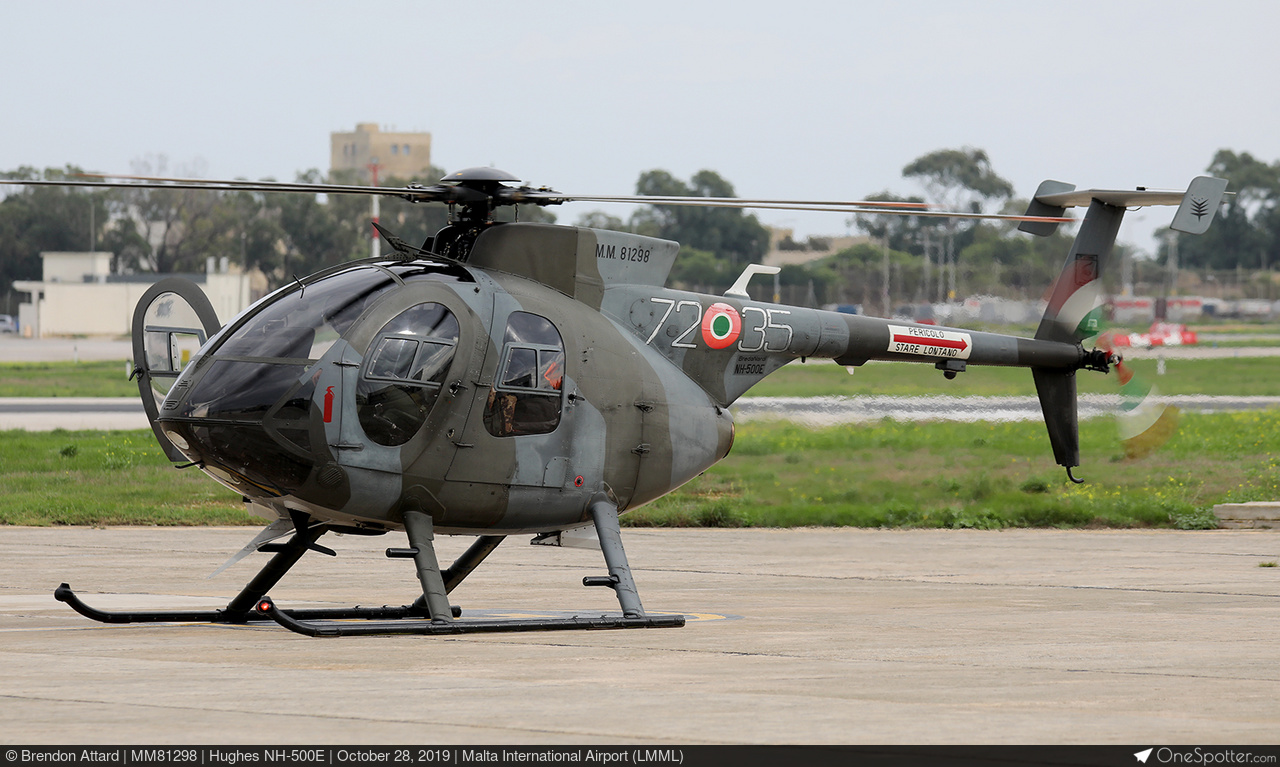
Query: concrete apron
{"points": [[795, 636]]}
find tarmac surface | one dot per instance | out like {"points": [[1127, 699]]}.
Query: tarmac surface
{"points": [[795, 636]]}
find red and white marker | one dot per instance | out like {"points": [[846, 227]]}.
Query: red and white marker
{"points": [[930, 342]]}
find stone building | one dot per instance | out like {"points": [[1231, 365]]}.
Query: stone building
{"points": [[397, 154]]}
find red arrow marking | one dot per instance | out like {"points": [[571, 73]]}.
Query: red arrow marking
{"points": [[961, 344]]}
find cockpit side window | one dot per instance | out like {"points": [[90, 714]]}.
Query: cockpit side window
{"points": [[528, 392], [404, 372]]}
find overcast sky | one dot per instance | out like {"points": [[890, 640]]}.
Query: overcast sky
{"points": [[811, 100]]}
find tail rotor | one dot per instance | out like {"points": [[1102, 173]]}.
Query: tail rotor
{"points": [[1144, 421]]}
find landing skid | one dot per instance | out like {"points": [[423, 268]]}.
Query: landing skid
{"points": [[385, 613], [431, 614], [291, 620]]}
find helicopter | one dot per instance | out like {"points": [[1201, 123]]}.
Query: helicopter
{"points": [[529, 379]]}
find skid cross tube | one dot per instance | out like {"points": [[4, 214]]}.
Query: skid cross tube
{"points": [[463, 566]]}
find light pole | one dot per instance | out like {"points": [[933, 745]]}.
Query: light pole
{"points": [[377, 243]]}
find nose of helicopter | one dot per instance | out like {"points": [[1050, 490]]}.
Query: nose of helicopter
{"points": [[267, 405], [254, 425]]}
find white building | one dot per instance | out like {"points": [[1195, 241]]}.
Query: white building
{"points": [[78, 295]]}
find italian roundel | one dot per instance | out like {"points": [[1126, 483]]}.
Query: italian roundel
{"points": [[721, 326]]}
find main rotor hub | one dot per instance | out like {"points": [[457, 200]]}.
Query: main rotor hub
{"points": [[473, 193], [471, 176]]}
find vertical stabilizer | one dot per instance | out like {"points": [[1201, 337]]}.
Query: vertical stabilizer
{"points": [[1075, 302], [1057, 391], [1199, 205]]}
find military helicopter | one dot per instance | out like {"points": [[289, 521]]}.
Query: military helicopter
{"points": [[521, 378]]}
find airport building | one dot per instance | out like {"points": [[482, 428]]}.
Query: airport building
{"points": [[78, 295]]}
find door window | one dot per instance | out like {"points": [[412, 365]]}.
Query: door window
{"points": [[528, 392]]}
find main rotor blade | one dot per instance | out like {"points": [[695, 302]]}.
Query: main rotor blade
{"points": [[239, 182], [227, 186], [740, 202], [439, 192], [733, 202], [820, 206], [447, 193], [253, 186]]}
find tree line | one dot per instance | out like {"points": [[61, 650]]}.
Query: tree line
{"points": [[176, 230], [915, 259], [912, 258]]}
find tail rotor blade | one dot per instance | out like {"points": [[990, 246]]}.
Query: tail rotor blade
{"points": [[1144, 422]]}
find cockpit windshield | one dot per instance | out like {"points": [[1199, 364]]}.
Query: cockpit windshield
{"points": [[304, 323], [258, 406]]}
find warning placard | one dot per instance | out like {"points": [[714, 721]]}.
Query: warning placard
{"points": [[930, 342]]}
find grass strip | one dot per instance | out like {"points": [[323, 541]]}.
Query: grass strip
{"points": [[1248, 376], [105, 478], [976, 475], [886, 474], [109, 378]]}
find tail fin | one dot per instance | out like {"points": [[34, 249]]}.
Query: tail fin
{"points": [[1075, 301], [1057, 392]]}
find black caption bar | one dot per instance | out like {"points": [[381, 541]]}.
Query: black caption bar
{"points": [[639, 756]]}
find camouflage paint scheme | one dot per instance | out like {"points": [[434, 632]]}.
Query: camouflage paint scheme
{"points": [[644, 400], [524, 378]]}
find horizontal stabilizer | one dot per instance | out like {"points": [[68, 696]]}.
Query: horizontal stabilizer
{"points": [[1120, 198], [1196, 206]]}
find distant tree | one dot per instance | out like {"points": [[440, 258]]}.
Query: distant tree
{"points": [[166, 230], [700, 270], [733, 236], [598, 219], [911, 234], [860, 275], [788, 243], [46, 218], [248, 232], [411, 222], [960, 180], [320, 233], [1247, 229], [1001, 262]]}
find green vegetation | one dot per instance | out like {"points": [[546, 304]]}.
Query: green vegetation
{"points": [[105, 478], [978, 475], [66, 379], [173, 230], [1251, 376]]}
